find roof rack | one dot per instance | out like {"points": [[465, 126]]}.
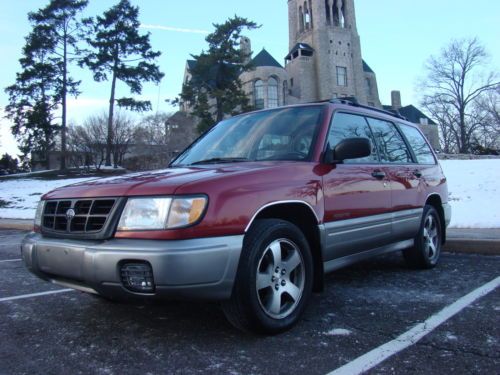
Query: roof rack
{"points": [[352, 101]]}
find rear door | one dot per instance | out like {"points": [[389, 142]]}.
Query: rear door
{"points": [[357, 195], [404, 175]]}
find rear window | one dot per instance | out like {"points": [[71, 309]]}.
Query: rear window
{"points": [[391, 145], [418, 144]]}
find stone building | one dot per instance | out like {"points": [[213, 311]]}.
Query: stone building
{"points": [[325, 59], [324, 62]]}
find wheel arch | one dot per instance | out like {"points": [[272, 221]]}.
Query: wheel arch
{"points": [[303, 216]]}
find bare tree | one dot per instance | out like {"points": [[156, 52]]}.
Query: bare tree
{"points": [[91, 139], [487, 110], [455, 80], [123, 135], [153, 129]]}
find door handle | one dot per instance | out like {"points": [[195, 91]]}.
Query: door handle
{"points": [[378, 174], [417, 173]]}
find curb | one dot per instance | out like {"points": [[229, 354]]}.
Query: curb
{"points": [[472, 246], [18, 224], [453, 245]]}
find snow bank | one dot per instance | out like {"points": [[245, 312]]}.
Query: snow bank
{"points": [[474, 192], [23, 195]]}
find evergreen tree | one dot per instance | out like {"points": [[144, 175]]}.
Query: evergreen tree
{"points": [[120, 53], [43, 85], [215, 89], [9, 163], [33, 99]]}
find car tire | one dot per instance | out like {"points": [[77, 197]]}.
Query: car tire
{"points": [[427, 248], [274, 280]]}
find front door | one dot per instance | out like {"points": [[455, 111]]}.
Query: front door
{"points": [[357, 195]]}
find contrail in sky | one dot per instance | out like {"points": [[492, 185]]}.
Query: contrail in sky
{"points": [[176, 29]]}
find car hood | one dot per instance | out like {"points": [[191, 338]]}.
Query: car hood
{"points": [[160, 182]]}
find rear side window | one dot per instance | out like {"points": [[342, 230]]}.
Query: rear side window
{"points": [[418, 144], [391, 145], [351, 126]]}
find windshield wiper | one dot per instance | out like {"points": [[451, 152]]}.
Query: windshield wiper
{"points": [[220, 160]]}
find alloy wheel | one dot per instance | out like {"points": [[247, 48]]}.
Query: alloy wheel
{"points": [[280, 278], [431, 237]]}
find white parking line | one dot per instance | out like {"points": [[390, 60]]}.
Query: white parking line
{"points": [[23, 296], [10, 260], [378, 355]]}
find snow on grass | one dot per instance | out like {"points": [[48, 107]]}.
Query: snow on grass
{"points": [[338, 332], [19, 198], [474, 192]]}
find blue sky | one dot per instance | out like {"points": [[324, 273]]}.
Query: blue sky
{"points": [[397, 36]]}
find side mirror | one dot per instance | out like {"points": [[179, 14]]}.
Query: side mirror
{"points": [[352, 148]]}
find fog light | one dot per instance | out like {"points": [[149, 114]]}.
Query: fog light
{"points": [[138, 277]]}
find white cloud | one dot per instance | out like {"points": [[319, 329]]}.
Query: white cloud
{"points": [[175, 29]]}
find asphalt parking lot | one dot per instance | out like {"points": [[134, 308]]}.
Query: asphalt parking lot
{"points": [[363, 307]]}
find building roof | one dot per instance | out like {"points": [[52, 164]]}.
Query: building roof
{"points": [[366, 68], [411, 113], [264, 58]]}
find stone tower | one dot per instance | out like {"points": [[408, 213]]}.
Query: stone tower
{"points": [[325, 53]]}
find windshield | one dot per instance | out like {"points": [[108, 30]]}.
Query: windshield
{"points": [[281, 134]]}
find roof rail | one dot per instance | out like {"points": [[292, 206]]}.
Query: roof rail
{"points": [[352, 101]]}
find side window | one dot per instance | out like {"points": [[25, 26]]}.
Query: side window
{"points": [[391, 146], [418, 144], [351, 126]]}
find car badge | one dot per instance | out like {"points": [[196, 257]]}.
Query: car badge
{"points": [[70, 214]]}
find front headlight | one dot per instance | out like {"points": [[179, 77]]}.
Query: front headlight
{"points": [[39, 212], [159, 213]]}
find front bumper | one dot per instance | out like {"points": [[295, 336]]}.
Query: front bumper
{"points": [[203, 268]]}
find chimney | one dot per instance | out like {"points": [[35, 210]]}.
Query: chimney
{"points": [[396, 99], [246, 48]]}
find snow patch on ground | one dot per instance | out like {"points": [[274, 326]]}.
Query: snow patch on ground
{"points": [[338, 332], [451, 337], [22, 195], [474, 192]]}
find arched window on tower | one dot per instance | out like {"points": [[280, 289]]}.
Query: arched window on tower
{"points": [[328, 7], [258, 92], [301, 19], [338, 13], [272, 93], [307, 17], [344, 14], [311, 14]]}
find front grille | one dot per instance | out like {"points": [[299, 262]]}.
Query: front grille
{"points": [[79, 216]]}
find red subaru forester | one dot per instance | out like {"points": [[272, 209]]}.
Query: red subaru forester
{"points": [[252, 214]]}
